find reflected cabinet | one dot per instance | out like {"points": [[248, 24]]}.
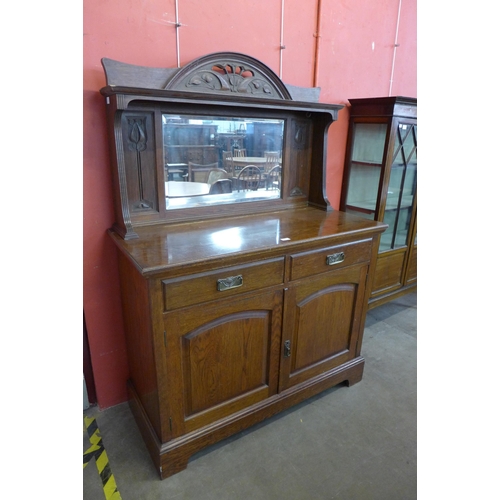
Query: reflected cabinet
{"points": [[380, 183], [243, 292]]}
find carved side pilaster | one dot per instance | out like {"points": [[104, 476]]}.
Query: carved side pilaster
{"points": [[139, 161], [300, 156]]}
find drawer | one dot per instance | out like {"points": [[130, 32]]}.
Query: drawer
{"points": [[221, 283], [330, 258]]}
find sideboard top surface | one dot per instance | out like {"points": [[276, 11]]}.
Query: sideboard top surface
{"points": [[171, 246]]}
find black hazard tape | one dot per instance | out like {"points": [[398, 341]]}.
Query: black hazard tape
{"points": [[98, 452]]}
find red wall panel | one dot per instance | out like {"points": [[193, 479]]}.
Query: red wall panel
{"points": [[354, 59]]}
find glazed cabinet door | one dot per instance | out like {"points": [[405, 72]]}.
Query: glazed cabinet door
{"points": [[400, 194], [221, 357], [322, 324], [365, 168], [399, 211]]}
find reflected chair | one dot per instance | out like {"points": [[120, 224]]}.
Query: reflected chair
{"points": [[176, 171], [199, 173], [221, 186], [249, 178], [240, 152], [272, 160], [227, 162], [216, 174], [273, 180]]}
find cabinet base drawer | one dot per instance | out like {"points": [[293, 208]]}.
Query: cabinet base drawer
{"points": [[331, 258], [221, 283]]}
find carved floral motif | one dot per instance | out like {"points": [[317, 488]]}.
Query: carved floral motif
{"points": [[137, 141], [232, 78], [137, 138]]}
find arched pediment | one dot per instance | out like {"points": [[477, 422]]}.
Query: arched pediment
{"points": [[229, 73]]}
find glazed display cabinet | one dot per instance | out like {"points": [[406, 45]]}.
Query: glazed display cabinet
{"points": [[240, 301], [380, 184]]}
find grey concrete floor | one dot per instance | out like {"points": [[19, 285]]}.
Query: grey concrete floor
{"points": [[348, 443]]}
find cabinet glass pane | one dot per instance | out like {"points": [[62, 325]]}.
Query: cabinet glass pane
{"points": [[402, 188], [365, 168]]}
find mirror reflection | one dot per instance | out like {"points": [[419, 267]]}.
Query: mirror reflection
{"points": [[214, 160]]}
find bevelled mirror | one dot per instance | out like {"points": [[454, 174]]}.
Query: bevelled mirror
{"points": [[212, 160]]}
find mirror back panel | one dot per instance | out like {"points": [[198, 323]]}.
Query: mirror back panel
{"points": [[179, 154]]}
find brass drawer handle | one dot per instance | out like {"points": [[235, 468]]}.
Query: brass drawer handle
{"points": [[230, 282], [335, 258]]}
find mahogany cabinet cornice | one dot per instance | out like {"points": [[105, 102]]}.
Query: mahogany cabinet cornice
{"points": [[237, 311], [397, 106]]}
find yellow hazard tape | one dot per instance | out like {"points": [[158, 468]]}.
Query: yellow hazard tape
{"points": [[98, 452]]}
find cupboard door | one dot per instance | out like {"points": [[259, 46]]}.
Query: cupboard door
{"points": [[221, 358], [389, 271], [322, 321]]}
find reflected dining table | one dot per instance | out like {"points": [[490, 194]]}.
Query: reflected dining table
{"points": [[179, 189], [243, 161]]}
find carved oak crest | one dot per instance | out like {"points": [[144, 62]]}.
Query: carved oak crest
{"points": [[229, 72], [230, 77]]}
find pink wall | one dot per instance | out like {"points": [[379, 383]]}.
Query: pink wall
{"points": [[356, 48]]}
